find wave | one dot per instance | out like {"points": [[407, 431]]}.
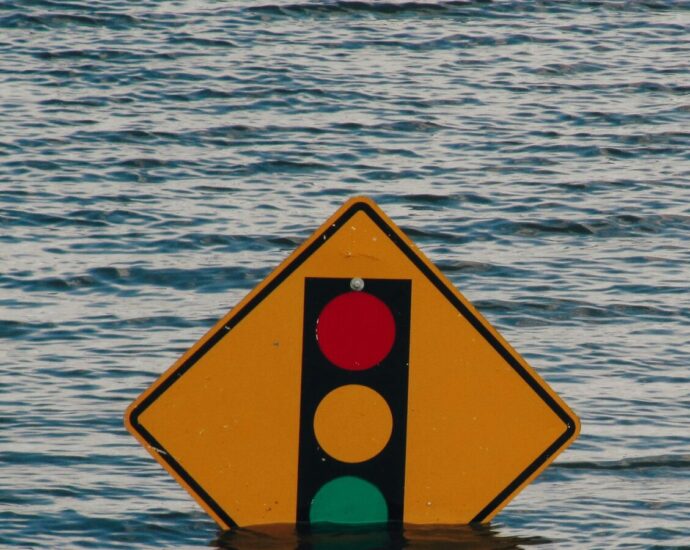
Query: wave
{"points": [[681, 461]]}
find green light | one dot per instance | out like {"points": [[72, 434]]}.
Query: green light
{"points": [[348, 500]]}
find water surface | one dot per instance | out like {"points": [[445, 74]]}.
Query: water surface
{"points": [[158, 159]]}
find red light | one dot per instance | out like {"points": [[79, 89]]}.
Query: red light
{"points": [[355, 331]]}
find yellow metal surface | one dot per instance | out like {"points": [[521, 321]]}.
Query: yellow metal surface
{"points": [[232, 420], [224, 419], [465, 443]]}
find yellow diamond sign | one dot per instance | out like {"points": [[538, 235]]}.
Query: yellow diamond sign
{"points": [[354, 385]]}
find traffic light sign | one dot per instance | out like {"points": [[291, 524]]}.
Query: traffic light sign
{"points": [[355, 373], [353, 415]]}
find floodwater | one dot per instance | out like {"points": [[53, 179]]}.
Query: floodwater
{"points": [[158, 160]]}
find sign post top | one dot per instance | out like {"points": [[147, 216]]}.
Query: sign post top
{"points": [[459, 414]]}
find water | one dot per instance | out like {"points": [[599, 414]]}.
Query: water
{"points": [[158, 159]]}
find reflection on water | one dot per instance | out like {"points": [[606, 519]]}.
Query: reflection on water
{"points": [[420, 537]]}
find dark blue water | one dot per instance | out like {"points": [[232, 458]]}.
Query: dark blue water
{"points": [[158, 159]]}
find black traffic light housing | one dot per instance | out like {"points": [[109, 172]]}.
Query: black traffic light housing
{"points": [[389, 378]]}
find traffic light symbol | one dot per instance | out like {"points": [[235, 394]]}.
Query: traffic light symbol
{"points": [[353, 411]]}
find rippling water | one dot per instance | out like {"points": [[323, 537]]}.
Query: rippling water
{"points": [[158, 159]]}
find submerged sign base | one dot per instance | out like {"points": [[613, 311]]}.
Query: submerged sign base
{"points": [[354, 385]]}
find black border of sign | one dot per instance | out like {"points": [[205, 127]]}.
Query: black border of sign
{"points": [[277, 280]]}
